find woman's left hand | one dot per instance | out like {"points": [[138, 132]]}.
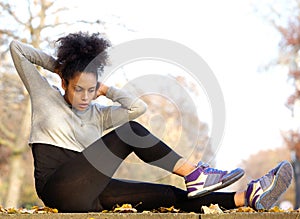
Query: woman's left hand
{"points": [[101, 90]]}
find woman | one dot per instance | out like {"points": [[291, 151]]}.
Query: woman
{"points": [[74, 163]]}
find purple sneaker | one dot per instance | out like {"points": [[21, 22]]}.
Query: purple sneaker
{"points": [[205, 179], [264, 192]]}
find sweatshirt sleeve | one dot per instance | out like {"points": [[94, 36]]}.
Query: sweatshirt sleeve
{"points": [[24, 58], [129, 108]]}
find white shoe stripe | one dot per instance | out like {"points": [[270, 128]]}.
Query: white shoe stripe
{"points": [[201, 179], [200, 188]]}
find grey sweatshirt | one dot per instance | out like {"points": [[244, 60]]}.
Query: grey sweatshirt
{"points": [[53, 121]]}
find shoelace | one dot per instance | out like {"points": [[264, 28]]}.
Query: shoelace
{"points": [[202, 165], [268, 177], [212, 170], [208, 169]]}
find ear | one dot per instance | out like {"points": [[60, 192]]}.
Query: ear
{"points": [[64, 84]]}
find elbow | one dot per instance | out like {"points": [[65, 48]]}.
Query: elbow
{"points": [[139, 108], [15, 49], [143, 107], [13, 45]]}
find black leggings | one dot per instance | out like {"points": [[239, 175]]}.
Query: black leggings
{"points": [[81, 182]]}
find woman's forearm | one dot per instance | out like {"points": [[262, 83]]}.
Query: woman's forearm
{"points": [[24, 58], [21, 52], [130, 108]]}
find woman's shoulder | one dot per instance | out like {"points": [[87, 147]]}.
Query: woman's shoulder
{"points": [[100, 108], [97, 106]]}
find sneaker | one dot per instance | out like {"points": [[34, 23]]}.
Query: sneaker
{"points": [[204, 180], [264, 192]]}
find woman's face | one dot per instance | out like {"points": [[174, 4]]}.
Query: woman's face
{"points": [[80, 90]]}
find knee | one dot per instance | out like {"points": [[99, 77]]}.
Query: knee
{"points": [[134, 124], [138, 129]]}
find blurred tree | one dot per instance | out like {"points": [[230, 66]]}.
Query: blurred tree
{"points": [[284, 16], [27, 27], [12, 110], [292, 142]]}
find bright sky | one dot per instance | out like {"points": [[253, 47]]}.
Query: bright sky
{"points": [[234, 42]]}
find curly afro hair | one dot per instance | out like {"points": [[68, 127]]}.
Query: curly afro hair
{"points": [[81, 52]]}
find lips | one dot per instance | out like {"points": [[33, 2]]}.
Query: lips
{"points": [[85, 105]]}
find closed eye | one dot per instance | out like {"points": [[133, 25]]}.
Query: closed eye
{"points": [[78, 89]]}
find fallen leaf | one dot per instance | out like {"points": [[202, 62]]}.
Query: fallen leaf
{"points": [[212, 209], [276, 209], [171, 209], [12, 211], [125, 208], [242, 209]]}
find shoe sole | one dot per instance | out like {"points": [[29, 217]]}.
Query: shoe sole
{"points": [[283, 179], [230, 181]]}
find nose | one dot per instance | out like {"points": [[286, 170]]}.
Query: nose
{"points": [[84, 96]]}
